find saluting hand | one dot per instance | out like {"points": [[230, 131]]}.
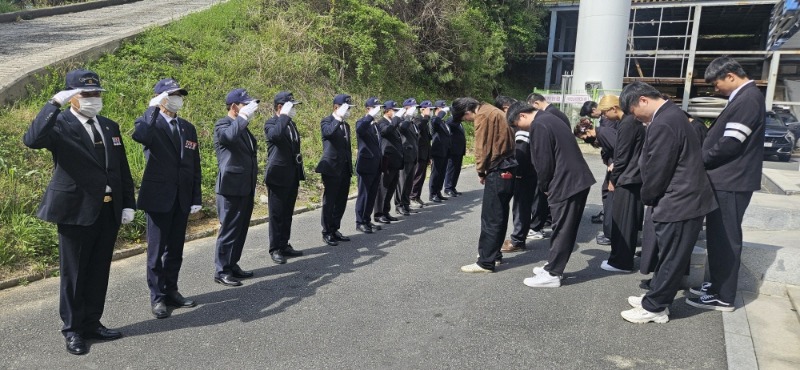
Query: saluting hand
{"points": [[195, 209], [158, 100], [401, 112], [63, 96], [374, 112], [286, 108], [247, 111], [127, 215], [341, 111], [410, 112]]}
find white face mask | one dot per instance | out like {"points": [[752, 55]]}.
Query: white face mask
{"points": [[89, 107], [292, 112], [346, 114], [174, 103]]}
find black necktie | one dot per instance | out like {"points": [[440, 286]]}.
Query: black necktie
{"points": [[176, 137], [99, 148]]}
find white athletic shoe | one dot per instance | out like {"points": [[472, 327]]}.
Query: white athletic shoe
{"points": [[635, 301], [474, 268], [607, 267], [639, 315], [544, 280], [535, 235]]}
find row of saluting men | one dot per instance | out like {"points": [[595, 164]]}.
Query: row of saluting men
{"points": [[91, 192]]}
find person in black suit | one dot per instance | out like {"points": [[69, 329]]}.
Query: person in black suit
{"points": [[392, 160], [733, 153], [605, 138], [170, 190], [563, 176], [236, 149], [368, 165], [455, 157], [423, 128], [540, 103], [283, 175], [409, 137], [90, 194], [675, 184], [440, 149], [336, 167]]}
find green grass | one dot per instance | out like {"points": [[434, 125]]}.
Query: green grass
{"points": [[241, 43]]}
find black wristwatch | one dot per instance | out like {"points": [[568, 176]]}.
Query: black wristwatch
{"points": [[54, 102]]}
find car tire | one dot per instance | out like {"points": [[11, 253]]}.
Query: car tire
{"points": [[784, 158]]}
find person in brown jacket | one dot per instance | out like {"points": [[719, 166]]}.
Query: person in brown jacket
{"points": [[495, 162]]}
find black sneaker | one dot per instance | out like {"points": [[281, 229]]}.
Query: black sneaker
{"points": [[700, 290], [710, 302]]}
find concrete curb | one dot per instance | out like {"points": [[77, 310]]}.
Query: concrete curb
{"points": [[777, 181], [739, 349], [63, 9]]}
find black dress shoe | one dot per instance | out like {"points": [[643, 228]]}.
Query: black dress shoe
{"points": [[402, 211], [392, 218], [177, 300], [277, 257], [330, 240], [436, 198], [227, 280], [383, 220], [451, 193], [238, 273], [340, 237], [374, 227], [160, 310], [442, 196], [364, 228], [103, 333], [602, 240], [457, 192], [288, 251], [76, 345]]}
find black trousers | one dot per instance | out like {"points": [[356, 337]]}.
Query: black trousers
{"points": [[234, 219], [524, 192], [453, 172], [334, 202], [608, 204], [281, 208], [566, 219], [438, 167], [367, 192], [627, 214], [166, 234], [649, 259], [675, 243], [420, 171], [388, 184], [540, 209], [402, 195], [85, 261], [724, 242], [497, 193]]}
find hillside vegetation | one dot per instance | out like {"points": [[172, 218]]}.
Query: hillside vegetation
{"points": [[392, 49]]}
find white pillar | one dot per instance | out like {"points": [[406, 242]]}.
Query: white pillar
{"points": [[601, 43]]}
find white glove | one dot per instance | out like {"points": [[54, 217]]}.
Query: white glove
{"points": [[374, 112], [154, 102], [195, 209], [411, 111], [446, 109], [247, 111], [341, 111], [127, 215], [401, 112], [63, 96], [286, 108]]}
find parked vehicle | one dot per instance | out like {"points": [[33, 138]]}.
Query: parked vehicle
{"points": [[791, 123], [778, 140]]}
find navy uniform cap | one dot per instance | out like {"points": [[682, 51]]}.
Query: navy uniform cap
{"points": [[426, 104], [440, 104], [238, 96], [342, 99], [169, 86], [84, 80], [372, 102], [285, 97], [410, 102], [390, 104]]}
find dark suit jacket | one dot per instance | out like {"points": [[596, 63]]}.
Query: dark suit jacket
{"points": [[607, 138], [337, 155], [458, 139], [391, 143], [408, 138], [630, 138], [169, 174], [236, 149], [424, 142], [368, 160], [75, 193], [442, 141], [554, 111], [559, 163], [284, 162], [673, 179]]}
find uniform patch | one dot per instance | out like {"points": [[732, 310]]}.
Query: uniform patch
{"points": [[190, 145], [116, 140]]}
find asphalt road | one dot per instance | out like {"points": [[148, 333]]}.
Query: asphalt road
{"points": [[394, 299]]}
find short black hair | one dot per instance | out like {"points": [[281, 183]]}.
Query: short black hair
{"points": [[587, 108], [532, 97], [515, 109], [630, 95], [502, 100], [462, 106], [720, 67]]}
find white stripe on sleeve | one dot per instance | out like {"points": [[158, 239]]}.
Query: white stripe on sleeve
{"points": [[738, 126], [736, 135]]}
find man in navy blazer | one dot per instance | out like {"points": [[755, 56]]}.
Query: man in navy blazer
{"points": [[423, 129], [283, 175], [236, 149], [170, 190], [391, 161], [409, 137], [368, 165], [89, 196], [336, 167], [440, 149], [455, 157]]}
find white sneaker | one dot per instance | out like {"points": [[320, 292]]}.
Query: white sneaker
{"points": [[474, 268], [635, 301], [535, 235], [539, 269], [639, 315], [607, 267], [544, 280]]}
